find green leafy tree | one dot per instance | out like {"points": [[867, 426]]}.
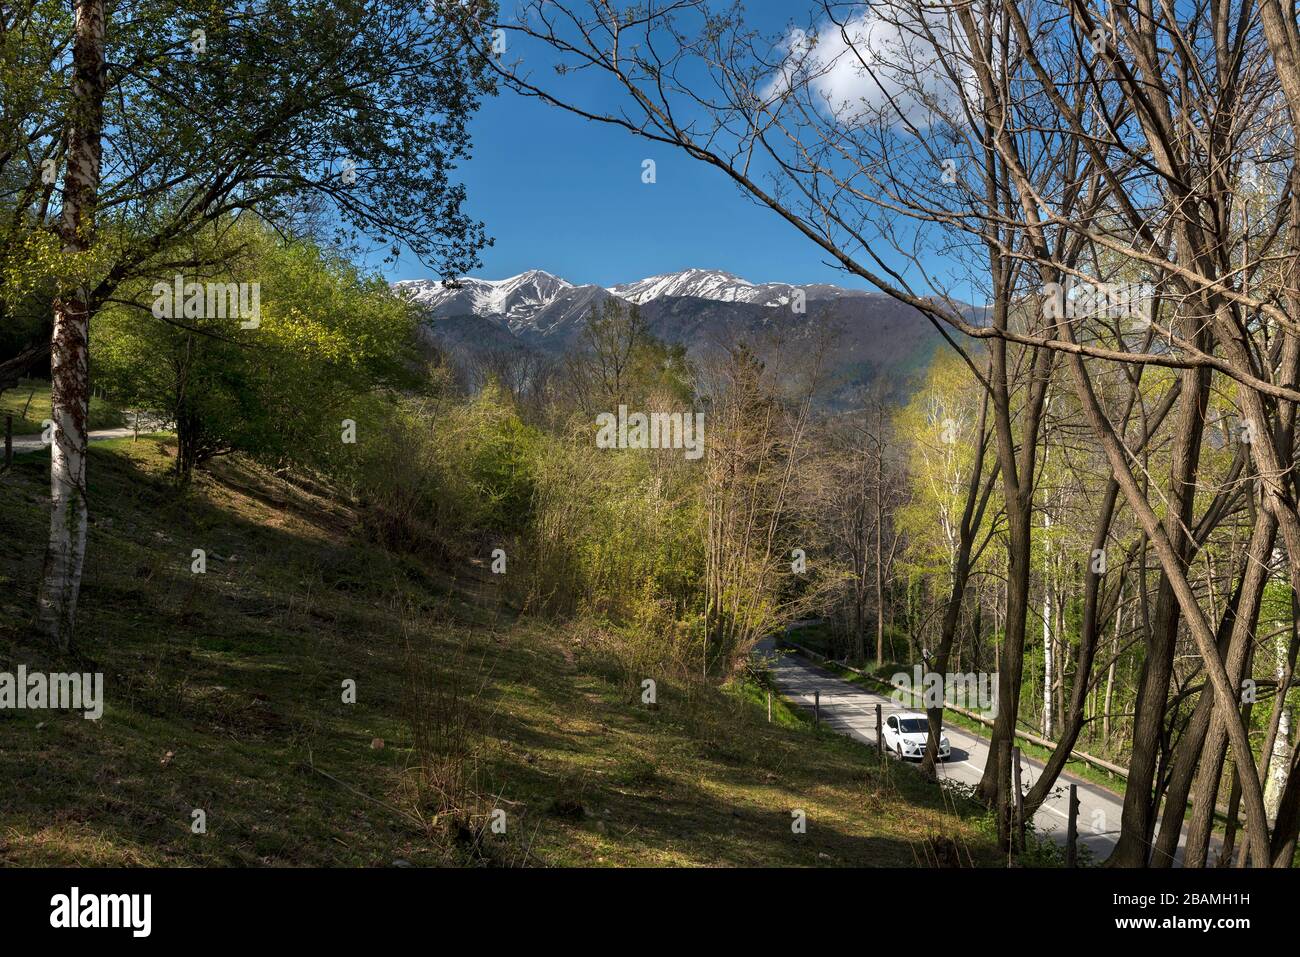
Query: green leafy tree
{"points": [[343, 118], [327, 340]]}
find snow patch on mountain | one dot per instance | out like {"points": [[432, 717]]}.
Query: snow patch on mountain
{"points": [[522, 299], [700, 283], [518, 298]]}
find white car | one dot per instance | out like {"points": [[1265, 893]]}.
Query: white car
{"points": [[906, 734]]}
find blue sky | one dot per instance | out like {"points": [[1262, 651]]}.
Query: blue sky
{"points": [[565, 195]]}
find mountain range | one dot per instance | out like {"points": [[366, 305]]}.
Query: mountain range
{"points": [[874, 335]]}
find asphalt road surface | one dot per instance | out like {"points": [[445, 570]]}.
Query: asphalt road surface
{"points": [[851, 709], [34, 443]]}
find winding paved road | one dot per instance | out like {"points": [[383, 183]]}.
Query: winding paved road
{"points": [[34, 443], [851, 709]]}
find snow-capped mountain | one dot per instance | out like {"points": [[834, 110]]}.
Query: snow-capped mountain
{"points": [[700, 308], [521, 298], [518, 298], [724, 287], [700, 283]]}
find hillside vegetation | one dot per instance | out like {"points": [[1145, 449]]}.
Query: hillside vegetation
{"points": [[224, 692]]}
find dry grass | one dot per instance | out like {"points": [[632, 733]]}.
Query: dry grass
{"points": [[237, 676]]}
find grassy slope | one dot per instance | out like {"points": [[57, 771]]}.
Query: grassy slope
{"points": [[103, 414], [223, 689]]}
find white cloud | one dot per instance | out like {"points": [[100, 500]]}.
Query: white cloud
{"points": [[887, 59]]}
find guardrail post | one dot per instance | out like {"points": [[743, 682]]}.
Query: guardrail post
{"points": [[880, 737], [1072, 829], [769, 707], [817, 708]]}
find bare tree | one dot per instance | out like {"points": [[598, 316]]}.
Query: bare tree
{"points": [[1073, 143]]}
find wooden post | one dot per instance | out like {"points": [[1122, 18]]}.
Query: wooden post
{"points": [[880, 737], [769, 707], [9, 441], [136, 437], [817, 708], [1072, 829], [1018, 799]]}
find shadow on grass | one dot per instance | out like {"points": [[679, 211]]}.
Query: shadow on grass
{"points": [[223, 688]]}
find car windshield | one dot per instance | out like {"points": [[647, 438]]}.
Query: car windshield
{"points": [[913, 725]]}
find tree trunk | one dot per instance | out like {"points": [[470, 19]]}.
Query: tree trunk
{"points": [[977, 499], [1230, 828], [1062, 660], [1047, 622], [1235, 633], [1277, 748], [1110, 671], [1172, 562], [69, 344], [1087, 649], [1017, 466], [1138, 818], [880, 555]]}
